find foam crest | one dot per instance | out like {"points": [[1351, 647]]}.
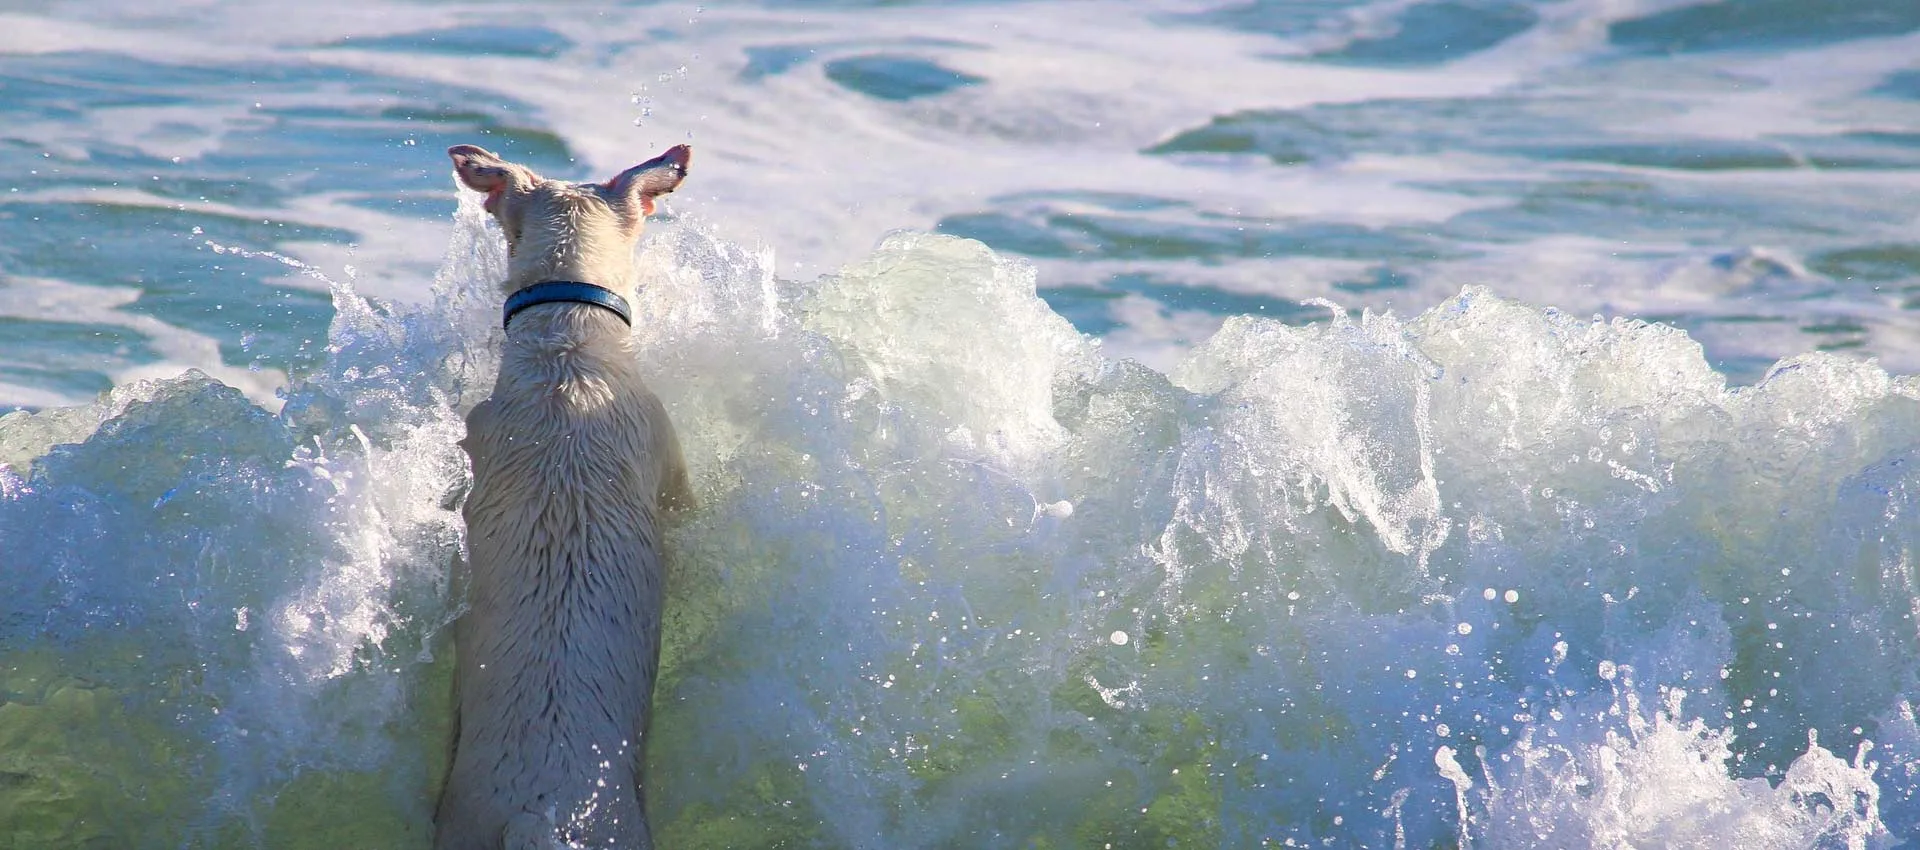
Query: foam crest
{"points": [[1484, 575], [1271, 535], [1285, 400], [1641, 777], [252, 598]]}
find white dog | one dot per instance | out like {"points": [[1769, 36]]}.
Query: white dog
{"points": [[574, 462]]}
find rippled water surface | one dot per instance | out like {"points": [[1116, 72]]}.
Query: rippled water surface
{"points": [[1136, 424]]}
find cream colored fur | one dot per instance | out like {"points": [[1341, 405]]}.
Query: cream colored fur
{"points": [[574, 462]]}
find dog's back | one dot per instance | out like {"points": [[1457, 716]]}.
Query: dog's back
{"points": [[574, 461]]}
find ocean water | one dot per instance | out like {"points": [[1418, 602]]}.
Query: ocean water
{"points": [[1186, 423]]}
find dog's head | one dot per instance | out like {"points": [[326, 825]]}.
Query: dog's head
{"points": [[561, 230]]}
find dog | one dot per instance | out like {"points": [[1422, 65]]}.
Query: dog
{"points": [[576, 468]]}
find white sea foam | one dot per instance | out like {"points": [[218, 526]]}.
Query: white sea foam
{"points": [[886, 633], [1074, 93], [1476, 572]]}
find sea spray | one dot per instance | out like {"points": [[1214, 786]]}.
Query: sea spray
{"points": [[1491, 576], [246, 602], [1343, 545]]}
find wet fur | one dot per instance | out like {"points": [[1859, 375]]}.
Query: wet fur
{"points": [[575, 466]]}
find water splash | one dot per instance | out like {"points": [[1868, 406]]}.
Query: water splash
{"points": [[1492, 576]]}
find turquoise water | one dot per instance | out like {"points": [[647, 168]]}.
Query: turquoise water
{"points": [[1741, 170], [1431, 424]]}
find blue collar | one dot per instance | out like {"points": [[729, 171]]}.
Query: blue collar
{"points": [[552, 291]]}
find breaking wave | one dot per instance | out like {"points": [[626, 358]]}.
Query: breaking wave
{"points": [[1490, 576]]}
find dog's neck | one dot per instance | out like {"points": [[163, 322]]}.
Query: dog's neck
{"points": [[577, 346], [580, 246]]}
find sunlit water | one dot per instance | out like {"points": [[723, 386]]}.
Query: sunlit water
{"points": [[1264, 478]]}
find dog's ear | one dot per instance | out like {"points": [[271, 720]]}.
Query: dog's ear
{"points": [[482, 171], [653, 178]]}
